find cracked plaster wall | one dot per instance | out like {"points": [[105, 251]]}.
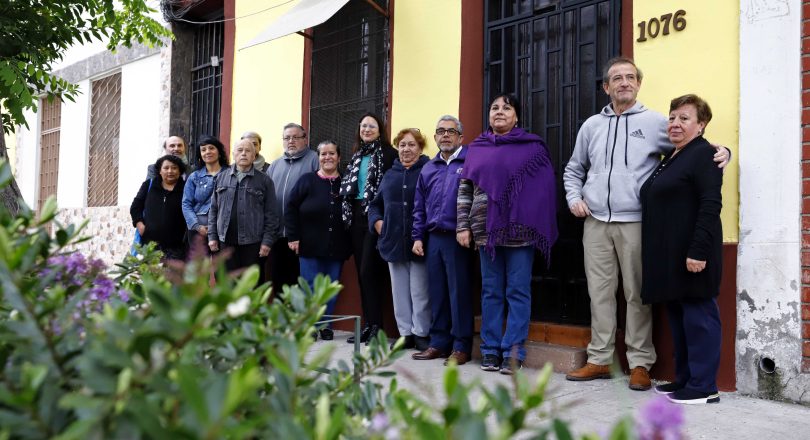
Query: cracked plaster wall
{"points": [[769, 272]]}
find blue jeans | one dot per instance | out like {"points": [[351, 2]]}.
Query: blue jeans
{"points": [[695, 326], [506, 287], [312, 266], [450, 293]]}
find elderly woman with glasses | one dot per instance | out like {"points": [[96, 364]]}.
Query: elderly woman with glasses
{"points": [[373, 156], [390, 215]]}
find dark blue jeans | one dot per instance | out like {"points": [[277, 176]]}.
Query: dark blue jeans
{"points": [[506, 288], [450, 293], [695, 326], [312, 266]]}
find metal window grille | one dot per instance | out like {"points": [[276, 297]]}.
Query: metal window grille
{"points": [[549, 53], [206, 83], [350, 71], [51, 116], [105, 126]]}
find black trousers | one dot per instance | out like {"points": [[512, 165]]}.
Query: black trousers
{"points": [[372, 271], [244, 255], [284, 269]]}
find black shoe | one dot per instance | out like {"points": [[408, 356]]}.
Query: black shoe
{"points": [[327, 334], [363, 335], [668, 388], [692, 397], [509, 366], [490, 362], [409, 342], [421, 343], [372, 333]]}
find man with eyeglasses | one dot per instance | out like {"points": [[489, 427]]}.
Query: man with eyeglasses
{"points": [[296, 160], [434, 235]]}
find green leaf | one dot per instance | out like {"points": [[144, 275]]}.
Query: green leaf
{"points": [[561, 430]]}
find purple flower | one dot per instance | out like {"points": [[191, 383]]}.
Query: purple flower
{"points": [[379, 423], [659, 419]]}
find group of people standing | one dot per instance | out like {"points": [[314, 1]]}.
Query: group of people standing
{"points": [[412, 221]]}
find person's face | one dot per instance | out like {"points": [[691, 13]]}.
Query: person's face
{"points": [[683, 125], [329, 158], [502, 117], [244, 154], [295, 140], [447, 136], [209, 154], [175, 146], [409, 150], [623, 84], [169, 172], [369, 129], [257, 145]]}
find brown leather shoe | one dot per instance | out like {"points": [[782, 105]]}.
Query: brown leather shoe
{"points": [[640, 379], [430, 353], [590, 372], [460, 357]]}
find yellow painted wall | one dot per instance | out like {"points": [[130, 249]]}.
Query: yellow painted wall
{"points": [[426, 57], [702, 59], [267, 78]]}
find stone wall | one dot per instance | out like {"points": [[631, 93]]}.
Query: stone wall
{"points": [[109, 228]]}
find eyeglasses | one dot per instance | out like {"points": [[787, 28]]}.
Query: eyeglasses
{"points": [[368, 127], [291, 138], [450, 131]]}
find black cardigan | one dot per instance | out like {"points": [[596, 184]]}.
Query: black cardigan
{"points": [[313, 218], [161, 212], [680, 218]]}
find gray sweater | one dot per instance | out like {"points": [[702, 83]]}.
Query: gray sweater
{"points": [[612, 158], [285, 172]]}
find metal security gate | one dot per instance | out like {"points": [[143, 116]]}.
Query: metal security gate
{"points": [[206, 84], [105, 127], [350, 71], [51, 117], [550, 53]]}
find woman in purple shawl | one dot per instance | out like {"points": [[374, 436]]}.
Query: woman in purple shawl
{"points": [[507, 209]]}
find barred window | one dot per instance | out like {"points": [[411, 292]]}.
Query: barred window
{"points": [[206, 84], [50, 122], [350, 72], [105, 127]]}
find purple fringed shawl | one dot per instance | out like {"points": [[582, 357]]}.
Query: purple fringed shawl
{"points": [[515, 172]]}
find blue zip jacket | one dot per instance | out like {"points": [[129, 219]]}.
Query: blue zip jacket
{"points": [[394, 206], [434, 206], [197, 196]]}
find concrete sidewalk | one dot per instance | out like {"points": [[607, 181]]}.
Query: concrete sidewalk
{"points": [[595, 406]]}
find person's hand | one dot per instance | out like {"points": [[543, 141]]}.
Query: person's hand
{"points": [[213, 245], [293, 245], [580, 209], [140, 227], [721, 156], [417, 248], [464, 238], [695, 266], [264, 251], [378, 226], [202, 230]]}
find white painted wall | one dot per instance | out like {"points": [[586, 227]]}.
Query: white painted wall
{"points": [[71, 191], [27, 172], [769, 272], [140, 124]]}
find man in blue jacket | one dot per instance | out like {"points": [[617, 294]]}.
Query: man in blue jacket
{"points": [[434, 235]]}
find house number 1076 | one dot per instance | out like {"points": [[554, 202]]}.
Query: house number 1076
{"points": [[655, 25]]}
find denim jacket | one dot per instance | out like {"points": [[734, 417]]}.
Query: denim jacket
{"points": [[197, 196], [255, 202]]}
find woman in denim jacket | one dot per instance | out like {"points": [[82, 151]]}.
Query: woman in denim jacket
{"points": [[211, 159]]}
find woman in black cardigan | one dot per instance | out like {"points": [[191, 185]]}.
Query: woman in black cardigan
{"points": [[314, 225], [157, 210], [681, 250]]}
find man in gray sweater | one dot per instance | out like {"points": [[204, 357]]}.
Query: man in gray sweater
{"points": [[285, 171], [615, 152]]}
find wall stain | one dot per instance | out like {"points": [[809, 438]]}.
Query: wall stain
{"points": [[744, 296]]}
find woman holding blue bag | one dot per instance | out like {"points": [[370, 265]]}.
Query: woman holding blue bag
{"points": [[156, 210], [199, 187]]}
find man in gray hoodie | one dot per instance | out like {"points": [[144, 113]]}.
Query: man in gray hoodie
{"points": [[615, 152], [285, 171]]}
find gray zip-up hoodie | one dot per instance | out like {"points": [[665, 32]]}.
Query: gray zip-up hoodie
{"points": [[285, 172], [613, 156]]}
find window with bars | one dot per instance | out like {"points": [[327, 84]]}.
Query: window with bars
{"points": [[350, 71], [50, 116], [105, 126], [206, 84], [549, 53]]}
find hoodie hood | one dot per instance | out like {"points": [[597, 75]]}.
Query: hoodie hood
{"points": [[635, 109]]}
